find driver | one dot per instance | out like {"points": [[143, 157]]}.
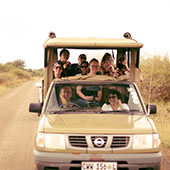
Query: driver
{"points": [[65, 96]]}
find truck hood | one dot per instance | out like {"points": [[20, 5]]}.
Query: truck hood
{"points": [[96, 123]]}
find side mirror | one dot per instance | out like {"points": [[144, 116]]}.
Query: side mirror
{"points": [[35, 107], [151, 108], [38, 85]]}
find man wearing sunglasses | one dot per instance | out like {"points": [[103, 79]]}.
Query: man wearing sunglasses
{"points": [[76, 69], [84, 67]]}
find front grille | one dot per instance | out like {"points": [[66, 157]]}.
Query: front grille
{"points": [[78, 141], [99, 141], [106, 141], [120, 141]]}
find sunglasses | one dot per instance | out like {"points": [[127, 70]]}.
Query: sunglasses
{"points": [[58, 67], [83, 58], [84, 66], [112, 97]]}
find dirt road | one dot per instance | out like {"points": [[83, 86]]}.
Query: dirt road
{"points": [[18, 127]]}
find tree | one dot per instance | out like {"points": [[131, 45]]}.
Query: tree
{"points": [[155, 71], [19, 64]]}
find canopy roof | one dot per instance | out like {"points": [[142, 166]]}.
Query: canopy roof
{"points": [[92, 43]]}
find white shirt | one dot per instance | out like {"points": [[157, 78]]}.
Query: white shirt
{"points": [[108, 107]]}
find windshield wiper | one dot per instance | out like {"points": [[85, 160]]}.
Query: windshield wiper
{"points": [[121, 111], [113, 111], [53, 111]]}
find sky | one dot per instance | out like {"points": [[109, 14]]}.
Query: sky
{"points": [[25, 24]]}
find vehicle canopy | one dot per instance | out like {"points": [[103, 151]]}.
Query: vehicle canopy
{"points": [[125, 47]]}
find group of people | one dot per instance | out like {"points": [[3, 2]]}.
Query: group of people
{"points": [[63, 68], [112, 101]]}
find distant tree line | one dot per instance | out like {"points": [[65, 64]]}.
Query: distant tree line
{"points": [[13, 72], [156, 73]]}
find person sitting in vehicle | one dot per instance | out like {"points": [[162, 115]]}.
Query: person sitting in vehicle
{"points": [[65, 95], [123, 61], [123, 68], [107, 66], [75, 68], [90, 94], [57, 69], [64, 56], [94, 67], [113, 102], [84, 67]]}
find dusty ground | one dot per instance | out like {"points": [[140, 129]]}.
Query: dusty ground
{"points": [[18, 127], [165, 159]]}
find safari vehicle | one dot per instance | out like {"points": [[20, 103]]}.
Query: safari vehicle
{"points": [[87, 136]]}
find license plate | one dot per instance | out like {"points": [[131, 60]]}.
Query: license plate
{"points": [[99, 166]]}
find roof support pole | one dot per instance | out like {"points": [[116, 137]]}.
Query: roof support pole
{"points": [[132, 65]]}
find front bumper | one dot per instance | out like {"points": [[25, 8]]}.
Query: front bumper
{"points": [[67, 160]]}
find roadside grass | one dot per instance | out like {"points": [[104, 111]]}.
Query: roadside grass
{"points": [[10, 80], [4, 87], [162, 121]]}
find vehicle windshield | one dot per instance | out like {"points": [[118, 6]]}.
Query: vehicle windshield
{"points": [[94, 98]]}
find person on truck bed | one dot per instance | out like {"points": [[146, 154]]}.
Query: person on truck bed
{"points": [[123, 68], [57, 69], [84, 67], [64, 56], [94, 67], [75, 68], [107, 66]]}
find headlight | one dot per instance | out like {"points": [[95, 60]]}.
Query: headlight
{"points": [[51, 141], [156, 141], [146, 141]]}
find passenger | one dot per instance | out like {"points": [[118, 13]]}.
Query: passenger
{"points": [[122, 70], [65, 96], [84, 67], [107, 66], [64, 56], [123, 61], [57, 69], [94, 67], [113, 102], [85, 95], [76, 66]]}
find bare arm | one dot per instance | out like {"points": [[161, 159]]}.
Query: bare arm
{"points": [[99, 95], [79, 92]]}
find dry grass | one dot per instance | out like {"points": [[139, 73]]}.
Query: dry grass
{"points": [[162, 121], [9, 80]]}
